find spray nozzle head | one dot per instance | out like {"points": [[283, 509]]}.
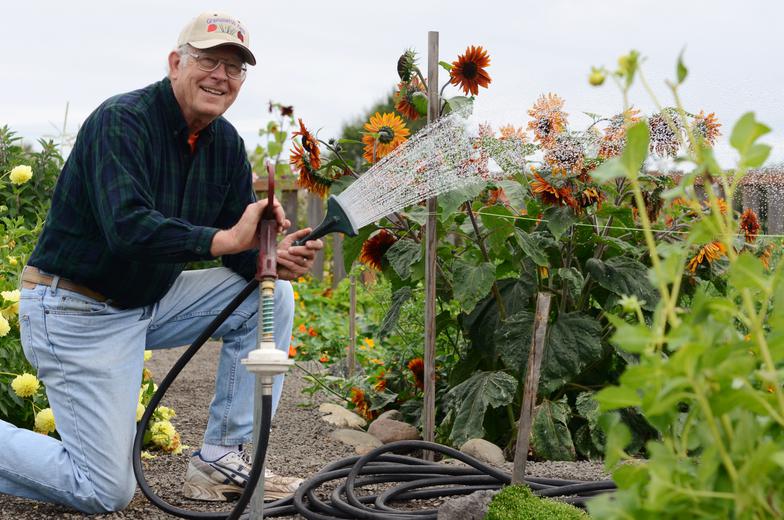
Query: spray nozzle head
{"points": [[337, 220]]}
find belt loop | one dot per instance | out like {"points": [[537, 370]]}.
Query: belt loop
{"points": [[53, 285]]}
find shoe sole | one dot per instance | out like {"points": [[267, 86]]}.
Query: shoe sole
{"points": [[218, 493]]}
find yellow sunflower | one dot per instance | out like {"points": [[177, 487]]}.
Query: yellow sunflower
{"points": [[385, 132], [469, 73]]}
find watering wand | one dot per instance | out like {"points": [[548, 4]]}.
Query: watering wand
{"points": [[338, 219]]}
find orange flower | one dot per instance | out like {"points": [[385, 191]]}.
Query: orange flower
{"points": [[614, 138], [707, 127], [766, 255], [375, 247], [312, 332], [404, 98], [549, 194], [750, 225], [302, 328], [549, 119], [292, 351], [380, 385], [469, 73], [709, 253], [510, 132], [566, 155], [385, 133], [361, 404], [417, 367], [591, 196], [306, 158], [324, 358]]}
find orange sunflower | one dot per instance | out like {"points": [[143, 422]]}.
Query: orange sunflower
{"points": [[306, 159], [750, 225], [549, 118], [590, 196], [469, 73], [709, 253], [566, 155], [384, 133], [375, 247], [551, 195], [707, 126], [511, 133], [360, 403], [417, 368], [404, 98], [614, 139]]}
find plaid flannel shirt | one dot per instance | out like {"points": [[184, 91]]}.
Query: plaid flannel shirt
{"points": [[133, 205]]}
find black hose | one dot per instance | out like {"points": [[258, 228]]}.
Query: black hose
{"points": [[261, 447], [417, 479]]}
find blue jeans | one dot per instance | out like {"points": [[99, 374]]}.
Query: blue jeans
{"points": [[90, 356]]}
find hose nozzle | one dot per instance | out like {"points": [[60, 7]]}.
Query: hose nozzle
{"points": [[337, 219]]}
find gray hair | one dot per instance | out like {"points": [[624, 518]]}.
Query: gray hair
{"points": [[184, 52]]}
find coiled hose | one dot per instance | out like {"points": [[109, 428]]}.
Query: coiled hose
{"points": [[415, 478]]}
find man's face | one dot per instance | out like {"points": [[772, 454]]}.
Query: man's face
{"points": [[204, 96]]}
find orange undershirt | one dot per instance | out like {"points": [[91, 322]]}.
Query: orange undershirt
{"points": [[192, 141]]}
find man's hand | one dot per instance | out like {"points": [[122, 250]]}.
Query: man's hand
{"points": [[244, 234], [295, 261]]}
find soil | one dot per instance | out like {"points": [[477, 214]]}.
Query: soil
{"points": [[299, 444]]}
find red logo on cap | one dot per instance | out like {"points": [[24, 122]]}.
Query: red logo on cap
{"points": [[212, 27], [240, 36]]}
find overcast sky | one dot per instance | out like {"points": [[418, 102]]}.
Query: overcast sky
{"points": [[332, 60]]}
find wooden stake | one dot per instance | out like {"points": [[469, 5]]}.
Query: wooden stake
{"points": [[531, 386], [429, 411], [352, 326]]}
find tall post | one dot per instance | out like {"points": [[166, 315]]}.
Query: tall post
{"points": [[433, 109], [352, 325]]}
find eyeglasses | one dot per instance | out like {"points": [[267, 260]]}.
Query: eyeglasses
{"points": [[208, 64]]}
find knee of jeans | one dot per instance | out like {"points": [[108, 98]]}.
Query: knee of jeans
{"points": [[115, 495], [284, 302]]}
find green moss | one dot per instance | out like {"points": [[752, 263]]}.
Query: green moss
{"points": [[518, 502]]}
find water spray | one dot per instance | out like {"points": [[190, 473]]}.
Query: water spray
{"points": [[441, 157]]}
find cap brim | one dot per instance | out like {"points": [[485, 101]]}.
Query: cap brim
{"points": [[248, 56]]}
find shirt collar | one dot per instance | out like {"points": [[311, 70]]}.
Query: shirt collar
{"points": [[174, 116]]}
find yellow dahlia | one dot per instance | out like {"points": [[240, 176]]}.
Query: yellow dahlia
{"points": [[20, 174], [384, 133], [25, 385], [44, 421]]}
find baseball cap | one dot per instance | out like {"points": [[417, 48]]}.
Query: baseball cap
{"points": [[211, 29]]}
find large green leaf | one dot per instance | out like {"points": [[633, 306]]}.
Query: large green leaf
{"points": [[559, 219], [573, 342], [352, 246], [451, 200], [470, 400], [532, 246], [744, 136], [638, 137], [402, 255], [399, 298], [550, 436], [624, 276], [500, 223], [474, 282]]}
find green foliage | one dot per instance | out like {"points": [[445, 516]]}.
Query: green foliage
{"points": [[710, 378], [471, 398], [518, 502]]}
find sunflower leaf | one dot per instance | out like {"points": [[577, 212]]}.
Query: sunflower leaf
{"points": [[399, 298], [447, 66], [471, 398], [681, 69], [352, 246], [475, 283], [419, 100], [402, 255]]}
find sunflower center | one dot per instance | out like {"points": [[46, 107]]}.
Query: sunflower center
{"points": [[386, 134], [469, 70]]}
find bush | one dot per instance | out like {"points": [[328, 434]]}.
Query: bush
{"points": [[516, 502]]}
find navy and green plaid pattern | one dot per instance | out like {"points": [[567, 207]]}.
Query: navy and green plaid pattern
{"points": [[133, 205]]}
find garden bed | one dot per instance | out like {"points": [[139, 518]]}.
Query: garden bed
{"points": [[300, 444]]}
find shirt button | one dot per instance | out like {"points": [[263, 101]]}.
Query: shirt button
{"points": [[198, 249]]}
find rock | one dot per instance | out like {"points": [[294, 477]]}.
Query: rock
{"points": [[484, 451], [469, 507], [361, 441], [395, 415], [390, 430], [341, 417]]}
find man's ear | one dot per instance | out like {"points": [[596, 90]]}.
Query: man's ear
{"points": [[174, 64]]}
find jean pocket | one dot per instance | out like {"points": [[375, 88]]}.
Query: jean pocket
{"points": [[76, 304], [26, 336]]}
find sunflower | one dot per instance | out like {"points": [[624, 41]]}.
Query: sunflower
{"points": [[614, 139], [665, 139], [375, 247], [404, 98], [469, 73], [566, 154], [406, 65], [709, 252], [591, 195], [766, 255], [551, 195], [707, 127], [384, 133], [360, 403], [549, 118], [417, 368], [306, 159], [512, 133], [750, 225]]}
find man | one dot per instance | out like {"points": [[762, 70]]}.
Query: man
{"points": [[157, 178]]}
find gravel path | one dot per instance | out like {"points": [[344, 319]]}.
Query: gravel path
{"points": [[299, 444]]}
